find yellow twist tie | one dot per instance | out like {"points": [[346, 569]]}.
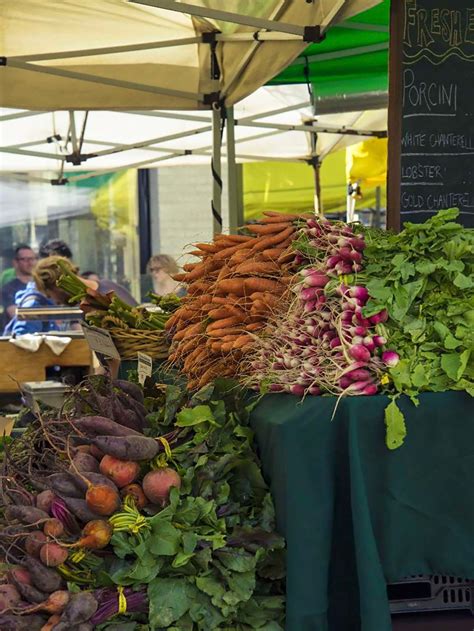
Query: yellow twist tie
{"points": [[167, 447], [122, 601], [78, 556], [385, 379], [345, 280]]}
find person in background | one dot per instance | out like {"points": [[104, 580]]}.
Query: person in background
{"points": [[31, 297], [47, 273], [161, 267], [55, 247], [90, 275], [23, 262]]}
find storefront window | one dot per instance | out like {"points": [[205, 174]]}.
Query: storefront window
{"points": [[96, 216]]}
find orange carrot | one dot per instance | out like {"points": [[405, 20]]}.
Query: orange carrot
{"points": [[257, 268], [261, 284], [236, 238], [255, 326], [272, 254], [242, 341], [240, 256], [264, 243], [179, 278], [224, 332], [231, 286], [262, 229], [223, 323], [227, 252], [212, 248]]}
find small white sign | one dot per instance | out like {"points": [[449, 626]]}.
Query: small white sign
{"points": [[100, 341], [145, 367]]}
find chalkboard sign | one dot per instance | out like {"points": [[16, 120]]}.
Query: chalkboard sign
{"points": [[437, 135]]}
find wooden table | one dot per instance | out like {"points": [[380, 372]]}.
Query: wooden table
{"points": [[18, 365]]}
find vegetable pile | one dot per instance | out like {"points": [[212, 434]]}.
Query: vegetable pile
{"points": [[231, 293], [319, 341], [351, 311], [108, 311], [161, 520]]}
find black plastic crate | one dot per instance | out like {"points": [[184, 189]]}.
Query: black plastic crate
{"points": [[431, 593]]}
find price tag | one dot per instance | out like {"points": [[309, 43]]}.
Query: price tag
{"points": [[100, 341], [145, 367]]}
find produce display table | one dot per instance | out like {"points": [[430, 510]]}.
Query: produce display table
{"points": [[356, 515], [18, 365]]}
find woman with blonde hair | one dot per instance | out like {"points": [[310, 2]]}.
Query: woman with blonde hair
{"points": [[161, 267]]}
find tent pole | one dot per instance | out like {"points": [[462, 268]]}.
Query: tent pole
{"points": [[216, 204], [235, 219]]}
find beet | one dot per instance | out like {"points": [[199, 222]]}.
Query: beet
{"points": [[21, 623], [44, 500], [9, 597], [64, 484], [84, 462], [52, 554], [34, 542], [122, 472], [130, 448], [81, 608], [43, 578], [158, 484], [80, 509], [130, 388]]}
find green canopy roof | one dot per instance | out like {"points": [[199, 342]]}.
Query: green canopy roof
{"points": [[350, 60]]}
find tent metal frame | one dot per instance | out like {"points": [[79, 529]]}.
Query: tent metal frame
{"points": [[265, 30]]}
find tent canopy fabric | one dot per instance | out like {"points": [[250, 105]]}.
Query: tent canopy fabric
{"points": [[352, 59], [146, 139], [44, 42]]}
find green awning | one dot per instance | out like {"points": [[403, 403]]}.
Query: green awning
{"points": [[349, 60]]}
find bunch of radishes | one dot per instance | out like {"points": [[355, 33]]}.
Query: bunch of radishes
{"points": [[322, 342]]}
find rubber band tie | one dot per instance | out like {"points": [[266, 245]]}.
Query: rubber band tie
{"points": [[122, 601]]}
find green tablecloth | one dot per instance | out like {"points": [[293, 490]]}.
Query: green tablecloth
{"points": [[356, 515]]}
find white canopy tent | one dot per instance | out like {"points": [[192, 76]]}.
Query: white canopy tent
{"points": [[142, 56]]}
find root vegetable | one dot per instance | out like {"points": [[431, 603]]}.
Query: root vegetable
{"points": [[80, 509], [44, 500], [136, 492], [131, 448], [102, 500], [53, 528], [52, 622], [26, 515], [94, 478], [31, 593], [34, 542], [64, 484], [19, 575], [46, 579], [55, 603], [9, 597], [96, 535], [100, 425], [158, 484], [52, 554], [84, 462], [122, 472], [130, 388], [21, 623], [80, 608]]}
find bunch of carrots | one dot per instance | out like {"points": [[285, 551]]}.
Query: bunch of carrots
{"points": [[232, 292]]}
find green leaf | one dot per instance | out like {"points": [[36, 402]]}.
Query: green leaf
{"points": [[182, 558], [419, 377], [194, 416], [395, 424], [463, 282], [454, 364], [168, 598], [236, 559], [450, 342], [165, 539]]}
